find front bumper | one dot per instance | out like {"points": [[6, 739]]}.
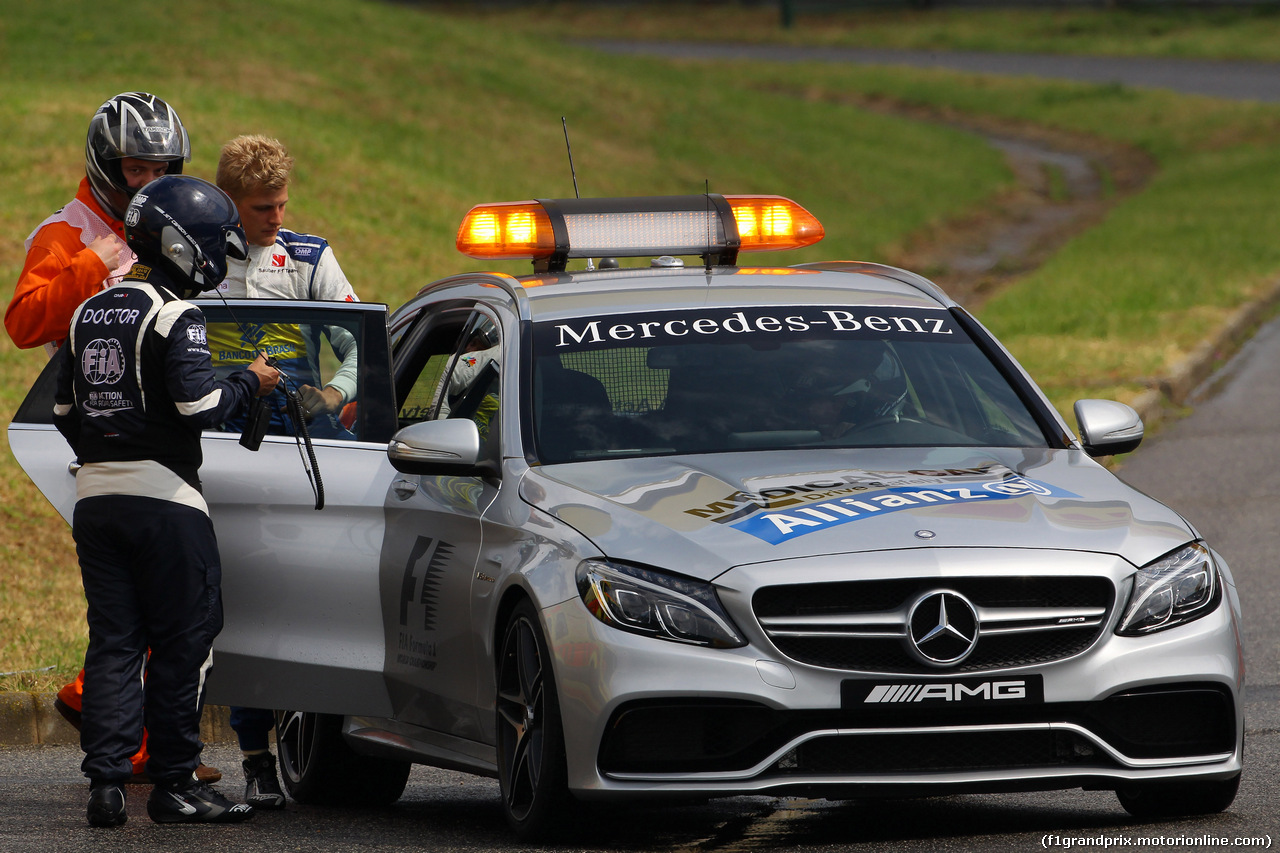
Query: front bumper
{"points": [[647, 716]]}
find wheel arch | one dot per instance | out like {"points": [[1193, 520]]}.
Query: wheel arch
{"points": [[511, 598]]}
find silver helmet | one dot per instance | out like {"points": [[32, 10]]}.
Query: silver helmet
{"points": [[132, 124]]}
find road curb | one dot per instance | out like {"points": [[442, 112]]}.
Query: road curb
{"points": [[1169, 392], [28, 719]]}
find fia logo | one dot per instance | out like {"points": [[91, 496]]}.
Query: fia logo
{"points": [[421, 581], [102, 361]]}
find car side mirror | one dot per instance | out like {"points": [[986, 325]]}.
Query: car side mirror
{"points": [[1108, 427], [449, 447]]}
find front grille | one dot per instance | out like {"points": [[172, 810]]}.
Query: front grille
{"points": [[863, 626]]}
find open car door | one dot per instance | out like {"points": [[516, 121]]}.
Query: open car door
{"points": [[303, 621]]}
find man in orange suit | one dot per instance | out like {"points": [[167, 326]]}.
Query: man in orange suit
{"points": [[133, 139]]}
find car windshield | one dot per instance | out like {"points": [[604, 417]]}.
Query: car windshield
{"points": [[711, 380]]}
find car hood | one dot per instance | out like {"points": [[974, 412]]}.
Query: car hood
{"points": [[701, 515]]}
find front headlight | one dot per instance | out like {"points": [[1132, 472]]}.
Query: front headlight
{"points": [[1171, 591], [655, 604]]}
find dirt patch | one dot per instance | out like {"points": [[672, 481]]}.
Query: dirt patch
{"points": [[1064, 184]]}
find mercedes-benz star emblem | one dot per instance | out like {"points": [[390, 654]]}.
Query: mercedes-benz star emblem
{"points": [[943, 628]]}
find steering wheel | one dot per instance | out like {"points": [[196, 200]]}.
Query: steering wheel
{"points": [[882, 420]]}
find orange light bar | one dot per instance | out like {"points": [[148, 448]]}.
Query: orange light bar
{"points": [[768, 223], [552, 231], [510, 229]]}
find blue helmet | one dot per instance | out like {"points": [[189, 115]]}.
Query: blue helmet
{"points": [[187, 227]]}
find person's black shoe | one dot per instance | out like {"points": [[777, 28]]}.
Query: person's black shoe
{"points": [[261, 786], [194, 802], [106, 804]]}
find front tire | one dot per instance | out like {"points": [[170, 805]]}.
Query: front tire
{"points": [[1179, 799], [318, 767], [532, 771]]}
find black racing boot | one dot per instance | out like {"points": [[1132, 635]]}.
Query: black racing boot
{"points": [[106, 804], [194, 802], [261, 786]]}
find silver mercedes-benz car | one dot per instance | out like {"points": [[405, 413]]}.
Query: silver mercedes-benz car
{"points": [[696, 529]]}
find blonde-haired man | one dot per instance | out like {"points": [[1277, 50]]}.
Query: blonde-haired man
{"points": [[282, 264]]}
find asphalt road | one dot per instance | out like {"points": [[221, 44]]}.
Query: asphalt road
{"points": [[1256, 81]]}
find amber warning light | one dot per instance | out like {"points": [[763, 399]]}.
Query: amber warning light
{"points": [[715, 227]]}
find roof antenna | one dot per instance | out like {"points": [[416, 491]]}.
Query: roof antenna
{"points": [[569, 148]]}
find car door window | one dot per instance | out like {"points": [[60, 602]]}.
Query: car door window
{"points": [[469, 388], [452, 370], [343, 347], [422, 358]]}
